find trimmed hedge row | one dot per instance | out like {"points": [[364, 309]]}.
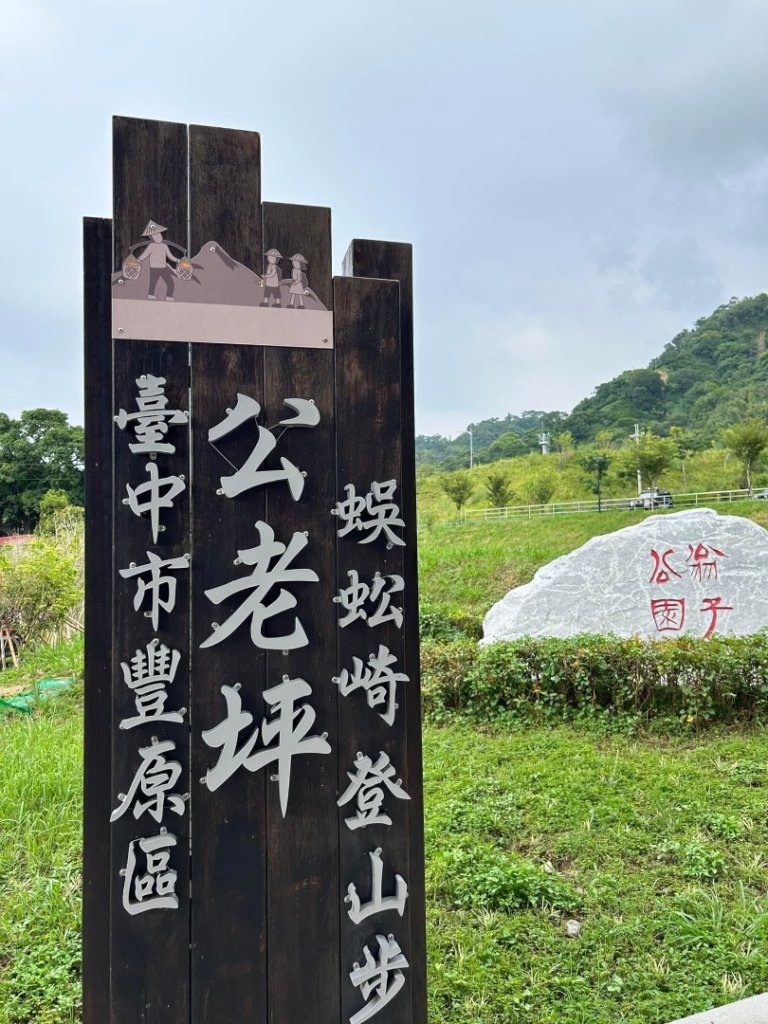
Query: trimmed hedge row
{"points": [[693, 680]]}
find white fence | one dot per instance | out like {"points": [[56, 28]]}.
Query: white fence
{"points": [[564, 508]]}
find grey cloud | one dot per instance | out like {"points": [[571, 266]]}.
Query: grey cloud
{"points": [[690, 80]]}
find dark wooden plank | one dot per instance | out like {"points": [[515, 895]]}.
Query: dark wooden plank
{"points": [[229, 936], [150, 950], [302, 870], [394, 261], [97, 794], [226, 178], [149, 169], [368, 424], [305, 230]]}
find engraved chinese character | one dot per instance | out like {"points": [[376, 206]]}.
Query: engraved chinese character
{"points": [[149, 672], [289, 727], [366, 786], [260, 582], [156, 494], [354, 598], [251, 474], [379, 979], [703, 562], [714, 605], [668, 614], [154, 779], [378, 680], [161, 589], [150, 423], [376, 513], [378, 903], [154, 888], [662, 570]]}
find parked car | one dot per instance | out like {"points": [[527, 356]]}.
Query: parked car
{"points": [[761, 495], [653, 499]]}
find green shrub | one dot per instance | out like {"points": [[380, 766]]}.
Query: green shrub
{"points": [[723, 826], [44, 981], [39, 588], [699, 862], [445, 668], [438, 622], [691, 680], [434, 624], [484, 877]]}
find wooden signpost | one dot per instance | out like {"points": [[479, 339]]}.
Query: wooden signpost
{"points": [[253, 845]]}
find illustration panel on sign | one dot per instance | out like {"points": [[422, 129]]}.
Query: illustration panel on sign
{"points": [[161, 293]]}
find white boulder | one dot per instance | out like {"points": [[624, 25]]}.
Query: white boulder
{"points": [[695, 572]]}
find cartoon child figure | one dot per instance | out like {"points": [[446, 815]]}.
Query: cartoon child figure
{"points": [[299, 282], [272, 278], [158, 254]]}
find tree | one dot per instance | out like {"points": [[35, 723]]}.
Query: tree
{"points": [[747, 441], [540, 488], [596, 466], [458, 486], [39, 588], [508, 446], [564, 444], [682, 447], [39, 452], [498, 488], [604, 439], [651, 455]]}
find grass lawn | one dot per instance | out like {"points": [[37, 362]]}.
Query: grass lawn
{"points": [[41, 769], [656, 846], [468, 567]]}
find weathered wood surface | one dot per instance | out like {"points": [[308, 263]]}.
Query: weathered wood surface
{"points": [[394, 261], [367, 339], [262, 932], [225, 192], [302, 848], [97, 790], [149, 950], [149, 175], [229, 914], [303, 230]]}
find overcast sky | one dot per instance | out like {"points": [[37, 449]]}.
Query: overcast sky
{"points": [[580, 180]]}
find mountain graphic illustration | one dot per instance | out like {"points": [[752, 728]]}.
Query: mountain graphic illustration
{"points": [[216, 278]]}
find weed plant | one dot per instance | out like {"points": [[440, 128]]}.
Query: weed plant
{"points": [[40, 849]]}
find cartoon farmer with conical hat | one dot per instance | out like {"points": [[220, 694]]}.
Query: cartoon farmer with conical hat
{"points": [[158, 254], [271, 280], [299, 282]]}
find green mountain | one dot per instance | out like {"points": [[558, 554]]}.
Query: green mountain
{"points": [[707, 378], [492, 439]]}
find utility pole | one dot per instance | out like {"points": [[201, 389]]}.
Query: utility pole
{"points": [[544, 441], [636, 438], [471, 446]]}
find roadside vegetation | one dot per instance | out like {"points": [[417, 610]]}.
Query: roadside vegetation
{"points": [[585, 862], [536, 479], [464, 569], [41, 769], [708, 379], [654, 845]]}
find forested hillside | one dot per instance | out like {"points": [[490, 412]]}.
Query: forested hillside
{"points": [[707, 378], [493, 439]]}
